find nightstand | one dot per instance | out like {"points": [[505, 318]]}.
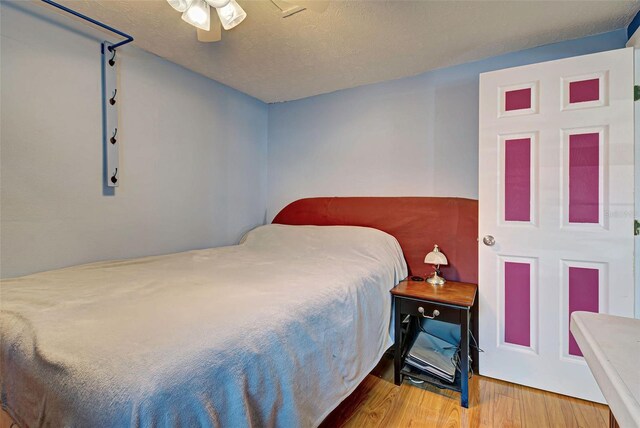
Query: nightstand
{"points": [[452, 302]]}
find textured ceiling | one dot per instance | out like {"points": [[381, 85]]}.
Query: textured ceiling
{"points": [[353, 43]]}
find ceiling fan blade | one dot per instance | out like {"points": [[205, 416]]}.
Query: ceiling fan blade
{"points": [[287, 8], [314, 5], [214, 34]]}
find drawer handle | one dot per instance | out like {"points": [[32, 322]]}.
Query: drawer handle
{"points": [[435, 313]]}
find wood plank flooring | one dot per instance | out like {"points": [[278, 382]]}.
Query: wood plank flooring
{"points": [[6, 421], [377, 402]]}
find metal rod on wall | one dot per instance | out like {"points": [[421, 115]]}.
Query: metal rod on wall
{"points": [[110, 98]]}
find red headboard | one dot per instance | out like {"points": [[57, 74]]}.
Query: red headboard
{"points": [[416, 222]]}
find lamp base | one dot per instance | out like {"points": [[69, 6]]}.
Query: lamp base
{"points": [[436, 280]]}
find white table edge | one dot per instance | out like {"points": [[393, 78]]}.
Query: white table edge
{"points": [[622, 403]]}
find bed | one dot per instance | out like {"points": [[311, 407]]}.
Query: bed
{"points": [[275, 331]]}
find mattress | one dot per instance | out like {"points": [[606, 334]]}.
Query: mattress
{"points": [[274, 332]]}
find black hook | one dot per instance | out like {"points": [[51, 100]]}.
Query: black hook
{"points": [[113, 138], [114, 180], [112, 100], [113, 57]]}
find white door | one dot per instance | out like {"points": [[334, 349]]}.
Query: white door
{"points": [[556, 194]]}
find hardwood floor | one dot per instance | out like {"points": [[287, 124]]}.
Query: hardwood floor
{"points": [[5, 420], [377, 402]]}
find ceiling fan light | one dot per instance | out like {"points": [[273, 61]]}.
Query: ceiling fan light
{"points": [[231, 15], [198, 14], [217, 3], [179, 5]]}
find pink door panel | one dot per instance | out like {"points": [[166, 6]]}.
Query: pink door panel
{"points": [[517, 303], [517, 180], [584, 178]]}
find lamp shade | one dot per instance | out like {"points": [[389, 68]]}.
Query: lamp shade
{"points": [[231, 15], [180, 5], [436, 257], [217, 3], [198, 14]]}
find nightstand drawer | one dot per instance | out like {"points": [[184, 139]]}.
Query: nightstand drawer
{"points": [[412, 307]]}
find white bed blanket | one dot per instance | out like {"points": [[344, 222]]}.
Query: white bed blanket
{"points": [[273, 332]]}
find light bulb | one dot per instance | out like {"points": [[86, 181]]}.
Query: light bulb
{"points": [[198, 15]]}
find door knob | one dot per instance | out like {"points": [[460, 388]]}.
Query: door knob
{"points": [[489, 240]]}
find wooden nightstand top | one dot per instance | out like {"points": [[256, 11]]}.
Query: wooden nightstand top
{"points": [[452, 292]]}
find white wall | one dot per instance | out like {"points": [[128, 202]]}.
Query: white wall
{"points": [[416, 136], [193, 154]]}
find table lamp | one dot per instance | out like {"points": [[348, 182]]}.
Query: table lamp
{"points": [[436, 258]]}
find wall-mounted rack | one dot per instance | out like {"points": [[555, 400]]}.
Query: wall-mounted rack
{"points": [[110, 94]]}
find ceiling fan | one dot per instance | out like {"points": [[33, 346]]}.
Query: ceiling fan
{"points": [[230, 14]]}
